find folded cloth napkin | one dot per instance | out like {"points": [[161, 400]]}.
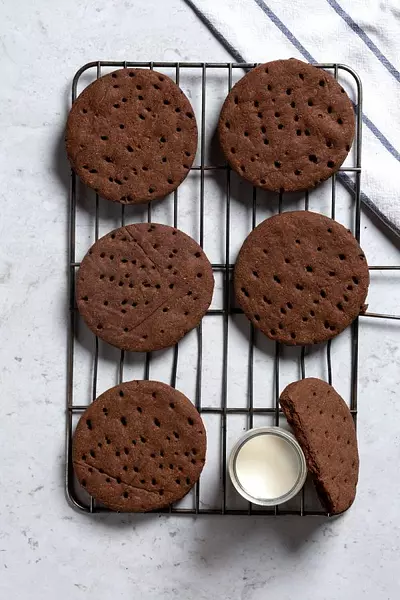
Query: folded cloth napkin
{"points": [[363, 35]]}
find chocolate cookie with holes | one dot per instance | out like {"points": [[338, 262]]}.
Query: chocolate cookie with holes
{"points": [[301, 278], [139, 447], [132, 136], [286, 126], [324, 427], [144, 286]]}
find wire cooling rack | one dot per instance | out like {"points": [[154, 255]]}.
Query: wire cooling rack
{"points": [[349, 176]]}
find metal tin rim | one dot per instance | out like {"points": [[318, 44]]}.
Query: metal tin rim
{"points": [[289, 437]]}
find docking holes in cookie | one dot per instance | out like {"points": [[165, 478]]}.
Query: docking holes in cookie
{"points": [[143, 286], [128, 453], [300, 278]]}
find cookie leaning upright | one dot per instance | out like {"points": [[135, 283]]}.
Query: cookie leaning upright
{"points": [[144, 286], [324, 427], [301, 277], [139, 446], [132, 136], [286, 126]]}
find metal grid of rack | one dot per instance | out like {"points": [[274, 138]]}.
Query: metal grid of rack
{"points": [[227, 310]]}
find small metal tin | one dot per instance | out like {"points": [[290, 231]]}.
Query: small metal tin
{"points": [[283, 435]]}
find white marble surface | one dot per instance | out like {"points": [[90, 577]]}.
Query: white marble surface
{"points": [[46, 549]]}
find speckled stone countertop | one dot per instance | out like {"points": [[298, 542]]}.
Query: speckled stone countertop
{"points": [[47, 549]]}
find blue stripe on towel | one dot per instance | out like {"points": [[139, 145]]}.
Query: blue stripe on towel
{"points": [[235, 53], [367, 40], [276, 20], [379, 135], [347, 182]]}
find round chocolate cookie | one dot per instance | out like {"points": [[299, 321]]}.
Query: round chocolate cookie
{"points": [[140, 446], [132, 136], [301, 278], [323, 425], [286, 126], [143, 287]]}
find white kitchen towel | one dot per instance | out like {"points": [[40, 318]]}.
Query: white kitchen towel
{"points": [[364, 34]]}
